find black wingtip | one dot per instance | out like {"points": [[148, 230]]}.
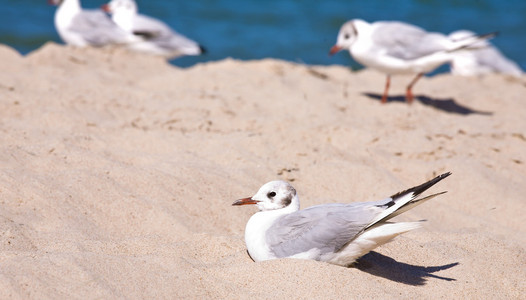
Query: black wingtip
{"points": [[479, 37], [203, 49], [147, 35], [489, 35], [417, 190]]}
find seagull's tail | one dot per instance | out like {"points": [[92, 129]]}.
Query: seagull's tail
{"points": [[411, 204], [471, 42], [405, 200]]}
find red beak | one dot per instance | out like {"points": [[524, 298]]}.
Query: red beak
{"points": [[105, 7], [335, 49], [245, 201]]}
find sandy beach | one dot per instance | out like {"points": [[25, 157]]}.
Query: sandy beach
{"points": [[118, 171]]}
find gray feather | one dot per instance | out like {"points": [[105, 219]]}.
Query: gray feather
{"points": [[326, 227], [97, 28], [407, 41], [330, 227]]}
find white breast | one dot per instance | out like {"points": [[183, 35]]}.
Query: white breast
{"points": [[255, 232], [64, 16]]}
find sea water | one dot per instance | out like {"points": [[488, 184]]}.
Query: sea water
{"points": [[292, 30]]}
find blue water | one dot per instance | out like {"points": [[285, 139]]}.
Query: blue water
{"points": [[293, 30]]}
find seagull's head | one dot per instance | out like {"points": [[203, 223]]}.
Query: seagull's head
{"points": [[272, 196], [120, 6], [346, 37]]}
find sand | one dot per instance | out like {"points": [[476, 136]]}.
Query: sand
{"points": [[117, 174]]}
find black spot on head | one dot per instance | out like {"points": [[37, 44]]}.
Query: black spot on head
{"points": [[287, 200], [291, 192]]}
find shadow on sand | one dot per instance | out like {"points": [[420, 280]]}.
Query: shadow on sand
{"points": [[380, 265], [448, 105]]}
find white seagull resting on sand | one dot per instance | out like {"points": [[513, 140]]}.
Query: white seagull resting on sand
{"points": [[157, 37], [333, 233], [398, 48]]}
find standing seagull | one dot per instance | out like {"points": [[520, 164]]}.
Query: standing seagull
{"points": [[157, 37], [334, 233], [485, 59], [83, 28], [398, 48]]}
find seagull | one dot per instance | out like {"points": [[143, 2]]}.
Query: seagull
{"points": [[81, 28], [398, 48], [157, 37], [334, 233], [484, 60]]}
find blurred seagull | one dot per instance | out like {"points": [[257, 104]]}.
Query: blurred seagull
{"points": [[157, 37], [79, 27], [483, 60], [333, 233], [398, 48]]}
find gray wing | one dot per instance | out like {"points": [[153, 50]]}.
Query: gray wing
{"points": [[155, 31], [329, 227], [150, 28], [97, 28], [407, 41], [325, 227]]}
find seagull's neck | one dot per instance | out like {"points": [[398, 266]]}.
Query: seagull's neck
{"points": [[124, 18], [257, 226], [362, 28], [66, 12], [70, 6], [292, 207]]}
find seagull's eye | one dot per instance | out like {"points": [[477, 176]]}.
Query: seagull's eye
{"points": [[271, 194], [346, 36]]}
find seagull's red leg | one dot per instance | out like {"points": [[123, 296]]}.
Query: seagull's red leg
{"points": [[387, 83], [409, 94]]}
